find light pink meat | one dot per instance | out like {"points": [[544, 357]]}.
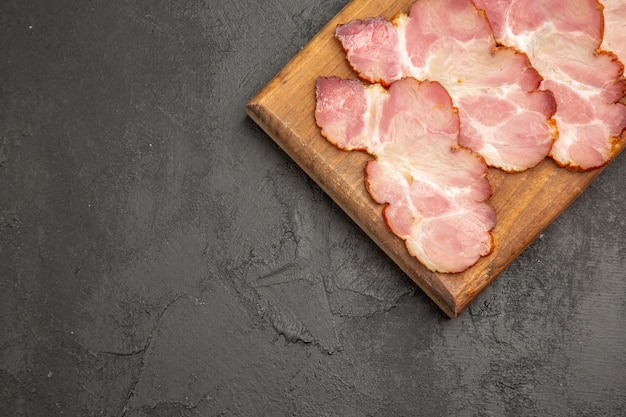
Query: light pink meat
{"points": [[615, 27], [503, 115], [435, 192], [562, 39]]}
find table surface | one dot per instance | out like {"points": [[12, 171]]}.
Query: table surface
{"points": [[160, 255]]}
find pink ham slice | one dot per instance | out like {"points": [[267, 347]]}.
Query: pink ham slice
{"points": [[435, 192], [562, 39], [503, 115], [615, 27]]}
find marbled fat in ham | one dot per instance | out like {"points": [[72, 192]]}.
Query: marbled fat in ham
{"points": [[435, 192], [504, 117], [562, 39]]}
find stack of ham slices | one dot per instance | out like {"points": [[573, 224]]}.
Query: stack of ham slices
{"points": [[459, 85]]}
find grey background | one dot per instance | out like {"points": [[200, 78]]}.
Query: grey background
{"points": [[161, 256]]}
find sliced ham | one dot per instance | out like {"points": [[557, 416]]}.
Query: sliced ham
{"points": [[562, 40], [615, 27], [504, 117], [435, 192]]}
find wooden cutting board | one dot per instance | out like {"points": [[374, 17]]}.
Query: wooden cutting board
{"points": [[526, 203]]}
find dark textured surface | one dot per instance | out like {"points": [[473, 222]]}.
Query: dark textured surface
{"points": [[160, 256]]}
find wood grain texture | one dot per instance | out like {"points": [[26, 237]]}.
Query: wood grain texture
{"points": [[526, 203]]}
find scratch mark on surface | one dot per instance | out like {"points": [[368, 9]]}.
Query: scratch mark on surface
{"points": [[171, 406], [280, 275]]}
